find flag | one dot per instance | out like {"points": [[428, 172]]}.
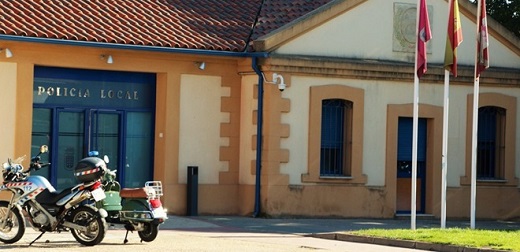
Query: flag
{"points": [[453, 39], [482, 41], [424, 34]]}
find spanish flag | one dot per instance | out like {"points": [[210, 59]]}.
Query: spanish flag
{"points": [[453, 39]]}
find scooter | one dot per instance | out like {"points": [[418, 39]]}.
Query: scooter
{"points": [[138, 209], [47, 210]]}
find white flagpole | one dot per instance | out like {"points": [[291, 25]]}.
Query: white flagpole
{"points": [[413, 211], [414, 149], [445, 146], [474, 153], [474, 133]]}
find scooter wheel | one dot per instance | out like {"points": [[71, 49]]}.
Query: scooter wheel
{"points": [[150, 232]]}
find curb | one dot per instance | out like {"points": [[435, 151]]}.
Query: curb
{"points": [[400, 243]]}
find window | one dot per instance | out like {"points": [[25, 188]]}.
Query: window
{"points": [[335, 150], [336, 135], [496, 140], [490, 144]]}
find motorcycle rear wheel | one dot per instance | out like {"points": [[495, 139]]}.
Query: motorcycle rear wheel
{"points": [[15, 224], [96, 226], [149, 233]]}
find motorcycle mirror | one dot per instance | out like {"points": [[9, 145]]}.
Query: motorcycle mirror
{"points": [[44, 149], [105, 158]]}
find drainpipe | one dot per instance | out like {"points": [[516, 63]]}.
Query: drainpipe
{"points": [[259, 123]]}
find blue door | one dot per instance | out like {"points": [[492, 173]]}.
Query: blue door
{"points": [[79, 131], [404, 165]]}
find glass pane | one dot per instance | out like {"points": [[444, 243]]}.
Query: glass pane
{"points": [[105, 137], [489, 145], [139, 149], [332, 137], [71, 135], [41, 134]]}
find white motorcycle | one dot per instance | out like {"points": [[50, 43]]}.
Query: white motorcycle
{"points": [[47, 210]]}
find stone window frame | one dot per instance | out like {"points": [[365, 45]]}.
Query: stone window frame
{"points": [[332, 91], [509, 103]]}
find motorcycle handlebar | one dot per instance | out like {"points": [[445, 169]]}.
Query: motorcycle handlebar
{"points": [[37, 166]]}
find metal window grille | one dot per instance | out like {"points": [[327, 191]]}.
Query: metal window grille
{"points": [[490, 143], [336, 135]]}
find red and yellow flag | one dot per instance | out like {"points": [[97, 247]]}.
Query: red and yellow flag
{"points": [[424, 34], [482, 41], [453, 39]]}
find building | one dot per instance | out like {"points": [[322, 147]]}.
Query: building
{"points": [[160, 86]]}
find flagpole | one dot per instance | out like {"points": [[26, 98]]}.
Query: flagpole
{"points": [[414, 150], [415, 127], [474, 153], [445, 146], [474, 131]]}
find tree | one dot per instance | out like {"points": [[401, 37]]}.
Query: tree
{"points": [[506, 12]]}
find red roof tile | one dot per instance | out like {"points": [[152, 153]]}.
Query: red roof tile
{"points": [[197, 24]]}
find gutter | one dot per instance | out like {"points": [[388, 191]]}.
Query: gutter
{"points": [[132, 47]]}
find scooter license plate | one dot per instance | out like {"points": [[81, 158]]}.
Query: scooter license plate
{"points": [[98, 194]]}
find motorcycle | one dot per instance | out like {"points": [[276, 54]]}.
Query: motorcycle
{"points": [[138, 209], [47, 210]]}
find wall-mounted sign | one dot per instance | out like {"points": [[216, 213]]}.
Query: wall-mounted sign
{"points": [[112, 92]]}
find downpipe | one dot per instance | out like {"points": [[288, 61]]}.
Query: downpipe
{"points": [[259, 124]]}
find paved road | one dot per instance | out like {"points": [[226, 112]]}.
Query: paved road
{"points": [[226, 233], [198, 239]]}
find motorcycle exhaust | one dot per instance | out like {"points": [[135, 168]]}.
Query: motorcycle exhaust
{"points": [[84, 196]]}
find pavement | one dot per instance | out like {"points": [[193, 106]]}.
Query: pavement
{"points": [[242, 233], [328, 228]]}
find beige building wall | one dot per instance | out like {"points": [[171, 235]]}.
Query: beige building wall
{"points": [[8, 98], [378, 95], [372, 29], [209, 137], [248, 128], [338, 50], [200, 119]]}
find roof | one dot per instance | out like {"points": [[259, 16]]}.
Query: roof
{"points": [[219, 25]]}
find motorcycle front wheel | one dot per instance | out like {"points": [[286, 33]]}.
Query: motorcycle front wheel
{"points": [[13, 228], [95, 224], [149, 233]]}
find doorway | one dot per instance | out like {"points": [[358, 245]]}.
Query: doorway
{"points": [[81, 131], [77, 111], [404, 165]]}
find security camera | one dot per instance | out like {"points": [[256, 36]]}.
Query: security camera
{"points": [[281, 85]]}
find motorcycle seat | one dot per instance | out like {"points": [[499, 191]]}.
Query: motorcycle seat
{"points": [[134, 193], [48, 197]]}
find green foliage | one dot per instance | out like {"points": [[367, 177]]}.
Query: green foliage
{"points": [[496, 239], [506, 12]]}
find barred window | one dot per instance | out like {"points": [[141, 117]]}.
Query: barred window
{"points": [[491, 143], [336, 137]]}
